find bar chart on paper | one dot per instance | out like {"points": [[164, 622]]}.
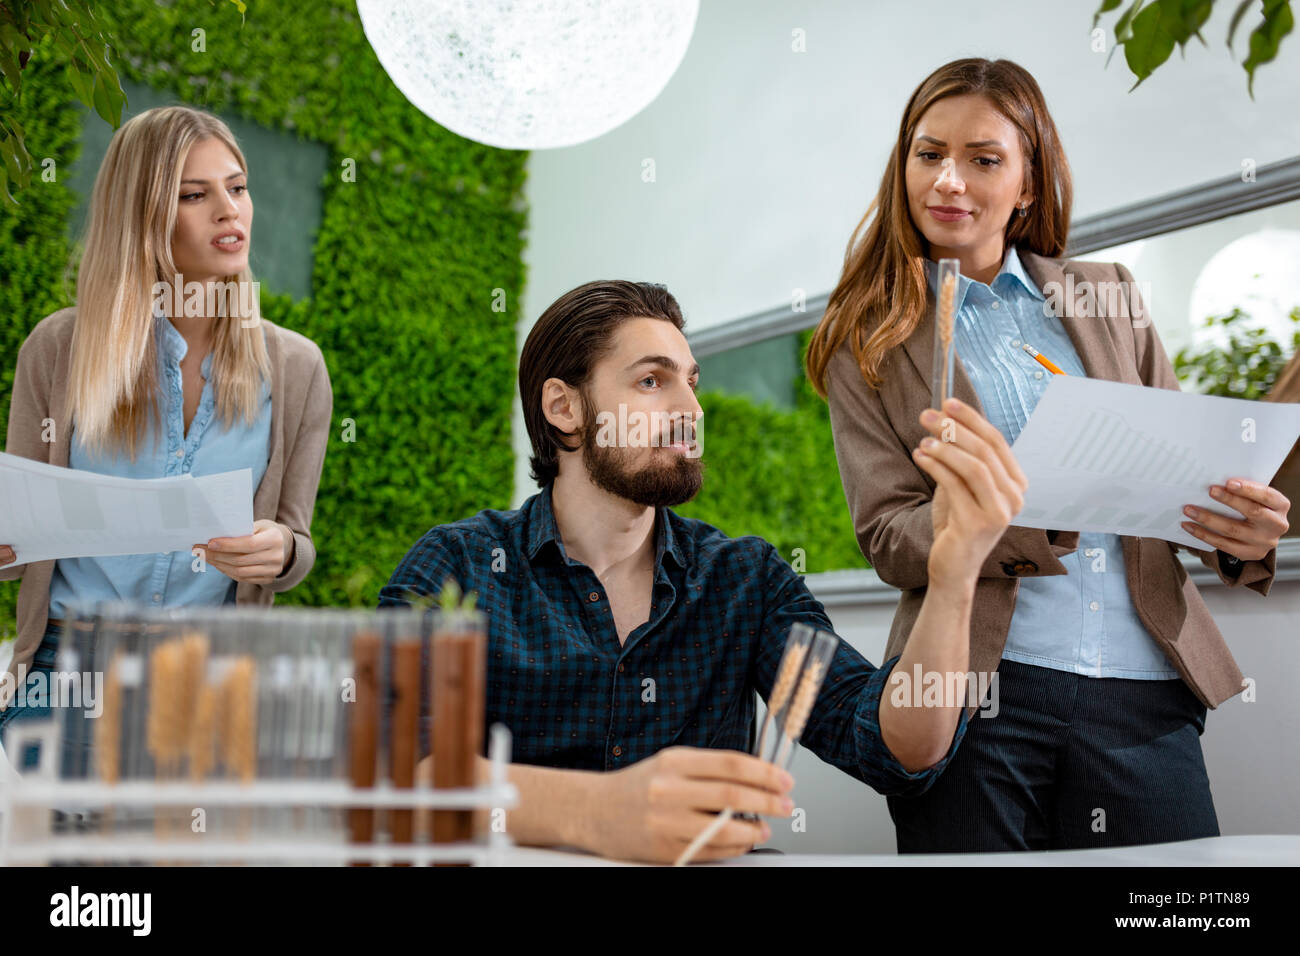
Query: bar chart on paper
{"points": [[1125, 459], [53, 512]]}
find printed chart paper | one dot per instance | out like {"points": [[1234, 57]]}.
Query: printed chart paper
{"points": [[51, 512], [1125, 459]]}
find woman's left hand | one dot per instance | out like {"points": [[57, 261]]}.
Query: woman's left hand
{"points": [[1251, 536], [258, 558]]}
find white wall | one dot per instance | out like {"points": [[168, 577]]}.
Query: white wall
{"points": [[1184, 279], [766, 159]]}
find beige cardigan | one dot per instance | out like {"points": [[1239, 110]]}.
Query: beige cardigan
{"points": [[889, 496], [301, 405]]}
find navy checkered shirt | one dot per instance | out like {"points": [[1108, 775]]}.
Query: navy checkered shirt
{"points": [[573, 697]]}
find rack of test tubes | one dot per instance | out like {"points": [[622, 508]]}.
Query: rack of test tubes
{"points": [[258, 736]]}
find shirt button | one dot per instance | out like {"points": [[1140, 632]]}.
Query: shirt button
{"points": [[157, 598], [617, 751], [1038, 375], [996, 304], [1015, 343], [594, 596], [180, 452], [1094, 605]]}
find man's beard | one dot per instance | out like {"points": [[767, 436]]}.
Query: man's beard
{"points": [[656, 484]]}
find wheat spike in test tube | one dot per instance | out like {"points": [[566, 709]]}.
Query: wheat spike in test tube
{"points": [[947, 319], [800, 708], [796, 717], [791, 663]]}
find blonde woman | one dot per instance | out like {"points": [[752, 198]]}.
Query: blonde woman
{"points": [[139, 382]]}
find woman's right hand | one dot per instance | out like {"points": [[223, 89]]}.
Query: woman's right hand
{"points": [[7, 555], [979, 489]]}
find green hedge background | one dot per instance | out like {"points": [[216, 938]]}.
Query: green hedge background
{"points": [[406, 262], [772, 472]]}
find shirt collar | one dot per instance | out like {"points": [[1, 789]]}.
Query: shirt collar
{"points": [[542, 529], [1014, 267], [172, 345], [1011, 265]]}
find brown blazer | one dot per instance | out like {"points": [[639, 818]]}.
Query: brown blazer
{"points": [[889, 496], [301, 405]]}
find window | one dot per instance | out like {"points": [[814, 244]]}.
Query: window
{"points": [[284, 181]]}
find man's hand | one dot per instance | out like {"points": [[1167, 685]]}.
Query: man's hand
{"points": [[980, 489], [1250, 537], [653, 809], [258, 558], [7, 555]]}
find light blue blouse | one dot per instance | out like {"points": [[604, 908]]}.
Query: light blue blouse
{"points": [[1083, 621], [167, 579]]}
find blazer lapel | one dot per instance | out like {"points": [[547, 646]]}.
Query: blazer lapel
{"points": [[1087, 329]]}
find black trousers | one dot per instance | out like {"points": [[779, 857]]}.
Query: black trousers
{"points": [[1069, 762]]}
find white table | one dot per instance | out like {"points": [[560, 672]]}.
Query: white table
{"points": [[1252, 850]]}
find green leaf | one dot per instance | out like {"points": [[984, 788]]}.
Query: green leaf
{"points": [[6, 197], [1186, 17], [9, 160], [109, 99], [82, 83], [1106, 7], [14, 44], [17, 161], [1236, 19], [1124, 25], [1153, 38], [1124, 28], [1265, 38]]}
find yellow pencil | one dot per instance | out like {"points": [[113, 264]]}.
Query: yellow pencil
{"points": [[1043, 361]]}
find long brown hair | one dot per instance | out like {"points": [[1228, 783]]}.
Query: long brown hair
{"points": [[113, 386], [884, 266]]}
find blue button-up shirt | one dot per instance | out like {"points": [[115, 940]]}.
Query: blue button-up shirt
{"points": [[721, 609], [1083, 621], [168, 579]]}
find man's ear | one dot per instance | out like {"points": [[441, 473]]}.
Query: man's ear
{"points": [[562, 405]]}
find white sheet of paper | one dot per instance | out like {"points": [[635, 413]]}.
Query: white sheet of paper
{"points": [[1125, 459], [51, 512]]}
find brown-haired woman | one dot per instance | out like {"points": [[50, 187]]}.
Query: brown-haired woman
{"points": [[1098, 683], [164, 367]]}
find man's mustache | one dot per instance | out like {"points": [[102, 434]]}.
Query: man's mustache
{"points": [[682, 434]]}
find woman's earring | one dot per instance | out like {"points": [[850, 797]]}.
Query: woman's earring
{"points": [[1024, 211]]}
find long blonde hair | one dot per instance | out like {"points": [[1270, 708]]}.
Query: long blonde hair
{"points": [[113, 387], [882, 291]]}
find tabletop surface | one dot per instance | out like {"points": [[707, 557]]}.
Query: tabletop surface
{"points": [[1251, 850]]}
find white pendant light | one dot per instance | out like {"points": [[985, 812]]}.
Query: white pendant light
{"points": [[529, 74]]}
